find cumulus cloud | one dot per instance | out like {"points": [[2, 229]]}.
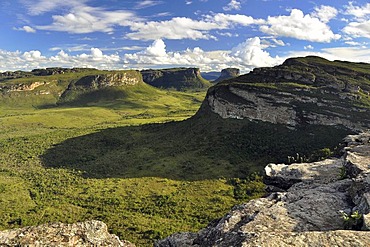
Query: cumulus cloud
{"points": [[233, 5], [299, 26], [34, 59], [246, 55], [325, 13]]}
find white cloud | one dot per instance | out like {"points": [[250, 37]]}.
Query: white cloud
{"points": [[358, 29], [188, 2], [27, 29], [308, 47], [233, 5], [186, 28], [325, 13], [85, 19], [147, 3], [359, 12], [226, 20], [176, 28], [246, 56], [157, 49], [34, 59], [38, 7], [299, 26]]}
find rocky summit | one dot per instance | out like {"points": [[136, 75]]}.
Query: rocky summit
{"points": [[300, 92], [325, 203]]}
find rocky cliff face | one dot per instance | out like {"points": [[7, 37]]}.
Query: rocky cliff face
{"points": [[227, 74], [301, 91], [324, 203], [90, 233], [178, 78], [97, 82]]}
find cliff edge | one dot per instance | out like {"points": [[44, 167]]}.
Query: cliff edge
{"points": [[300, 92], [325, 203]]}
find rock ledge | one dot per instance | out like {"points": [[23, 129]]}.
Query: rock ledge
{"points": [[309, 208]]}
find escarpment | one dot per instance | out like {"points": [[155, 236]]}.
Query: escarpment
{"points": [[301, 91], [325, 203], [177, 78]]}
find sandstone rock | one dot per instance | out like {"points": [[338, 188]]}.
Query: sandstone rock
{"points": [[89, 233], [302, 91], [309, 213]]}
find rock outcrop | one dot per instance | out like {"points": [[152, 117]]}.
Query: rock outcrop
{"points": [[177, 78], [320, 204], [228, 74], [93, 83], [302, 91], [89, 233], [22, 86]]}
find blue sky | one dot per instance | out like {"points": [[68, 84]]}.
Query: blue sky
{"points": [[209, 34]]}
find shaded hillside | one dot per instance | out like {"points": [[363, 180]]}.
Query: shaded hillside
{"points": [[176, 78], [203, 147], [242, 125]]}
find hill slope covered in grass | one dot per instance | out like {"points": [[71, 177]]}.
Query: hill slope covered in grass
{"points": [[91, 157], [38, 186]]}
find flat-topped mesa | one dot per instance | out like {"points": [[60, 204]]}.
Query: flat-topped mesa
{"points": [[319, 204], [106, 81], [228, 73], [301, 91], [114, 79], [177, 78]]}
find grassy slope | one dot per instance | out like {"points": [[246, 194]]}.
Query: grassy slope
{"points": [[36, 188]]}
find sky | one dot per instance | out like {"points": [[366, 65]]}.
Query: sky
{"points": [[208, 34]]}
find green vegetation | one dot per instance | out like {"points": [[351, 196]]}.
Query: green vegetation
{"points": [[43, 180], [352, 221], [124, 155]]}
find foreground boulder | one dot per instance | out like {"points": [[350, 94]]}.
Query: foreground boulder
{"points": [[319, 204], [89, 233]]}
